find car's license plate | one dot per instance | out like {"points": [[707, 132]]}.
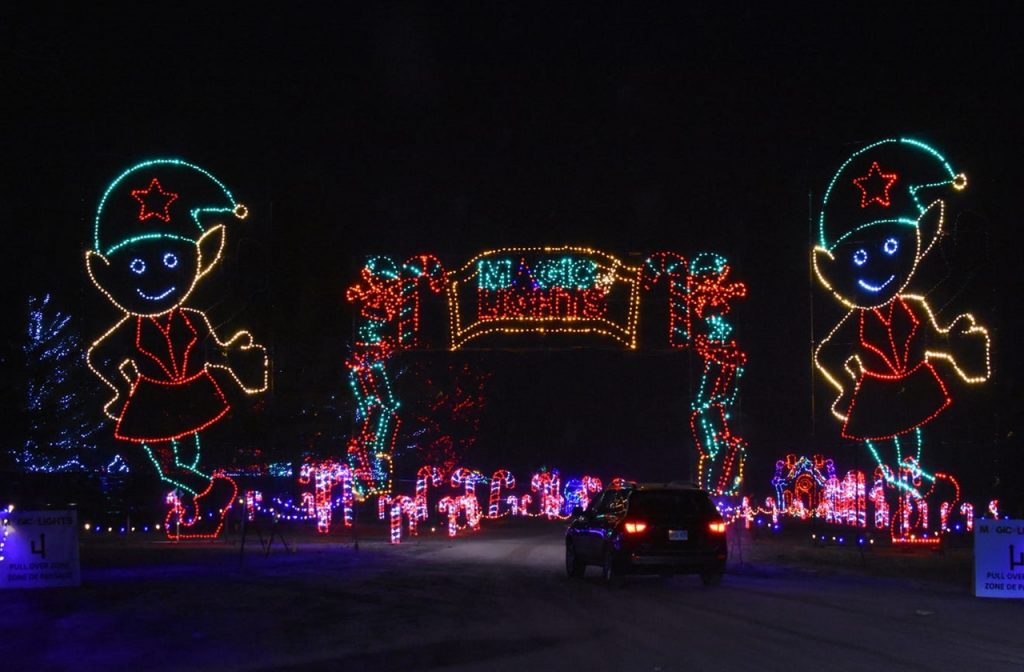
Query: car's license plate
{"points": [[677, 535]]}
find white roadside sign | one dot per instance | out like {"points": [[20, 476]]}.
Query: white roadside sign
{"points": [[999, 558], [41, 550]]}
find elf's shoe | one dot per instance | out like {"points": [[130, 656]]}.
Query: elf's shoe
{"points": [[204, 517]]}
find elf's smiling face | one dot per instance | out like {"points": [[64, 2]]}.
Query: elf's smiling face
{"points": [[869, 266], [151, 276], [156, 274]]}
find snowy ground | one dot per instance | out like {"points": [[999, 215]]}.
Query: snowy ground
{"points": [[500, 600]]}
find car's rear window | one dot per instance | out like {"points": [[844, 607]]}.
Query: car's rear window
{"points": [[613, 501], [659, 503]]}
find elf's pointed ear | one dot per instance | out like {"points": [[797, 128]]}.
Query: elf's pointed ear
{"points": [[824, 263], [98, 268], [210, 246], [929, 226]]}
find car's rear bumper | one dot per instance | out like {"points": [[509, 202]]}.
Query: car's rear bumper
{"points": [[693, 563]]}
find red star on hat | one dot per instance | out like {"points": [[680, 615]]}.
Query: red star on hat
{"points": [[877, 184], [154, 196]]}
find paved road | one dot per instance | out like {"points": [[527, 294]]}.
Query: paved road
{"points": [[496, 601]]}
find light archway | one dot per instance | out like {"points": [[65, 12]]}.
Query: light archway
{"points": [[523, 291]]}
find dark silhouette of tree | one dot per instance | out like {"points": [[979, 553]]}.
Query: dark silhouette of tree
{"points": [[442, 403]]}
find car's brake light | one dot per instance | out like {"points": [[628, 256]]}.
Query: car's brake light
{"points": [[635, 526], [717, 528]]}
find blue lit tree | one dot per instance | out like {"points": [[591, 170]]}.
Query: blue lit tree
{"points": [[57, 423]]}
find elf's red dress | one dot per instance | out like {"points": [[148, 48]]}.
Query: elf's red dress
{"points": [[899, 390], [174, 394]]}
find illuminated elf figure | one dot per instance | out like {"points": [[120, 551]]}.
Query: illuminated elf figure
{"points": [[888, 358], [159, 229]]}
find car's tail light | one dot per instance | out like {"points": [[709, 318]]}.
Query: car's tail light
{"points": [[717, 528], [635, 526]]}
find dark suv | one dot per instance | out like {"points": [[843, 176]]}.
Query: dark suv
{"points": [[649, 528]]}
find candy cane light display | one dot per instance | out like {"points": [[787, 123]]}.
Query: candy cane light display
{"points": [[898, 503], [967, 509], [993, 509], [500, 479], [468, 479], [877, 498], [547, 485], [428, 475], [519, 506], [324, 475], [467, 505], [397, 508]]}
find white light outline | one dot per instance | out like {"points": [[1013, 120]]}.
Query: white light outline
{"points": [[127, 367], [853, 366]]}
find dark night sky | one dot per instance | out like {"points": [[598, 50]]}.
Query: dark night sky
{"points": [[399, 129]]}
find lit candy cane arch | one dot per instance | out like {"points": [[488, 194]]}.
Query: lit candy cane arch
{"points": [[967, 509], [398, 507], [844, 501], [324, 475], [547, 484], [910, 525], [545, 290], [428, 475], [519, 506], [466, 504], [500, 478], [877, 498], [253, 499], [468, 479]]}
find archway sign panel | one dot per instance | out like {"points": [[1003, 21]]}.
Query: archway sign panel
{"points": [[544, 290], [522, 291]]}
